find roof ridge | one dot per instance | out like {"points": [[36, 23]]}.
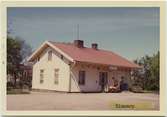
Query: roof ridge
{"points": [[61, 42]]}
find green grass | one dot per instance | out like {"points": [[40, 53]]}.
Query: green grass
{"points": [[17, 91], [147, 91], [122, 105]]}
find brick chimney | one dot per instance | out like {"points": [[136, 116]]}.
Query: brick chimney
{"points": [[79, 43], [95, 46]]}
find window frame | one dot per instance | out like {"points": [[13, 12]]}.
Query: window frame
{"points": [[62, 57], [56, 76], [82, 77], [41, 76], [50, 53], [38, 59]]}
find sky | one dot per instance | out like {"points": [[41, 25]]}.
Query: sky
{"points": [[128, 31]]}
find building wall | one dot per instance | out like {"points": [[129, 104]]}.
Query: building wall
{"points": [[68, 77], [49, 66], [92, 78]]}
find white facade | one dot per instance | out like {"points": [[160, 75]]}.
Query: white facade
{"points": [[49, 67], [92, 78], [68, 74]]}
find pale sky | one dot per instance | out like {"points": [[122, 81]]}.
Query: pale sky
{"points": [[129, 32]]}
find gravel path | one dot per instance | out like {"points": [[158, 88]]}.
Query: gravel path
{"points": [[76, 101]]}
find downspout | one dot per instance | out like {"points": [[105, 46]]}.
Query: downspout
{"points": [[71, 67]]}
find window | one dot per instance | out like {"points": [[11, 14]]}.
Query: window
{"points": [[49, 55], [38, 58], [41, 76], [56, 76], [81, 77], [62, 57]]}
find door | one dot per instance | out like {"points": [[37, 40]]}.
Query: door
{"points": [[103, 80]]}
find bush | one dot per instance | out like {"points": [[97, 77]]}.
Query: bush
{"points": [[9, 85], [137, 89], [18, 91], [153, 87]]}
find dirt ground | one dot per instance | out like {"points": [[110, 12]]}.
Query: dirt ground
{"points": [[77, 101]]}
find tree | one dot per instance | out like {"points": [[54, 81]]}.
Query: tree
{"points": [[17, 51], [150, 72], [26, 49], [13, 57], [154, 72]]}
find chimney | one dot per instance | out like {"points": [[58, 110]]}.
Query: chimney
{"points": [[95, 46], [79, 43]]}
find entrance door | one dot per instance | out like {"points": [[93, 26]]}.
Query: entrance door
{"points": [[103, 80]]}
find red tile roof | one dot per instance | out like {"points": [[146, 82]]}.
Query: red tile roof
{"points": [[94, 56]]}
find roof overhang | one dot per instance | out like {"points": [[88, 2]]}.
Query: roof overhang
{"points": [[109, 65]]}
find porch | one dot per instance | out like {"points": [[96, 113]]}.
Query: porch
{"points": [[86, 77]]}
